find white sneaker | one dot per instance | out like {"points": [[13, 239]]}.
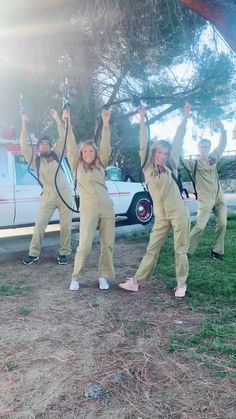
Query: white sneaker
{"points": [[103, 284], [74, 286]]}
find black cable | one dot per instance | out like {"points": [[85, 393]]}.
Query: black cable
{"points": [[190, 176], [66, 104], [59, 167]]}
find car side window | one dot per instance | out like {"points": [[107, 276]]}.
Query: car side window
{"points": [[113, 173], [4, 173], [23, 177]]}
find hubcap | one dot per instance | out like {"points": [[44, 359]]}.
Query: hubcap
{"points": [[143, 210]]}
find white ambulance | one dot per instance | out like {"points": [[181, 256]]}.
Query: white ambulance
{"points": [[20, 191]]}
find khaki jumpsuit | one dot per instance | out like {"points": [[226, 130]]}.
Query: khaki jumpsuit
{"points": [[210, 197], [169, 211], [49, 200], [96, 208]]}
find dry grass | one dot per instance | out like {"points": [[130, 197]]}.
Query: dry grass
{"points": [[69, 340]]}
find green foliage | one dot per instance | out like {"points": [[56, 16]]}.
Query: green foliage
{"points": [[11, 365], [12, 289], [24, 311], [218, 90], [227, 168], [212, 291], [109, 50], [128, 151]]}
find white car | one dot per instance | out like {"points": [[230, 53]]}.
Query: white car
{"points": [[20, 192]]}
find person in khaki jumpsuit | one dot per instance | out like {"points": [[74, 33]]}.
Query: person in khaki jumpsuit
{"points": [[169, 209], [96, 207], [49, 200], [209, 193]]}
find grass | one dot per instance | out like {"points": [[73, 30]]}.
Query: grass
{"points": [[10, 365], [211, 292], [24, 311], [13, 289]]}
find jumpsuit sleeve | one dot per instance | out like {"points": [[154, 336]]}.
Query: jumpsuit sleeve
{"points": [[189, 164], [61, 138], [218, 151], [26, 149], [105, 146], [177, 144], [143, 144], [72, 150]]}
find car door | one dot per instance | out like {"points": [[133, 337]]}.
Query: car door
{"points": [[114, 194], [27, 192], [7, 201]]}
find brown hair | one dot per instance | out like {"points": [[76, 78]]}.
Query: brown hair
{"points": [[204, 140], [45, 138], [160, 143], [95, 164]]}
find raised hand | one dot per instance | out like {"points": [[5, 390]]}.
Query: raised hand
{"points": [[66, 115], [54, 113], [106, 114], [24, 119], [187, 109], [142, 112]]}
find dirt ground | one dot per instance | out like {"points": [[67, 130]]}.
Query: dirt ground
{"points": [[55, 342]]}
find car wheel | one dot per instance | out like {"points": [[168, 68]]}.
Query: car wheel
{"points": [[140, 210]]}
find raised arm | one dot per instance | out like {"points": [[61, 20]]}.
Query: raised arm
{"points": [[105, 145], [177, 143], [71, 146], [58, 149], [26, 149], [143, 139], [218, 151]]}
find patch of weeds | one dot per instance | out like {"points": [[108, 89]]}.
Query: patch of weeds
{"points": [[148, 335], [13, 289], [157, 301], [216, 338], [131, 329], [145, 323], [24, 311], [174, 344], [211, 290], [11, 365], [125, 344], [138, 237]]}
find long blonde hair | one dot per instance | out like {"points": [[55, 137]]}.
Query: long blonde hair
{"points": [[95, 164], [160, 143]]}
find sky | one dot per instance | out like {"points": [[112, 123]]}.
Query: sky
{"points": [[166, 129]]}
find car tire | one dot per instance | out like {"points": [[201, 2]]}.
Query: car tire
{"points": [[140, 210]]}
